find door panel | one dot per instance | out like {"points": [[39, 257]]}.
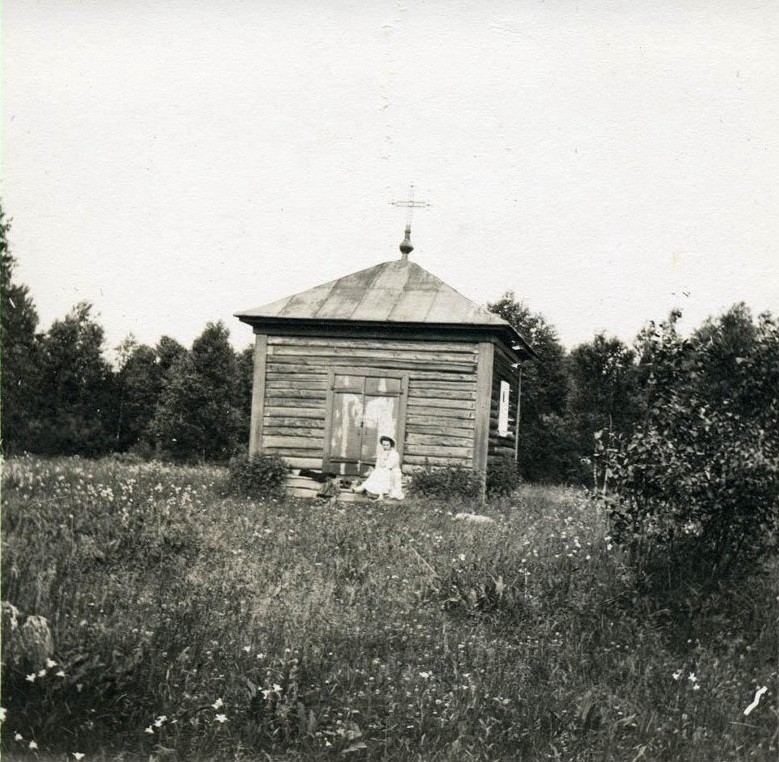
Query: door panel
{"points": [[345, 433], [380, 419]]}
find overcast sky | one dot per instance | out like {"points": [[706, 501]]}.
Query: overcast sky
{"points": [[175, 162]]}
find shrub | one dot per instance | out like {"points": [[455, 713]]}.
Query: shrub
{"points": [[502, 476], [262, 476], [697, 483], [444, 483]]}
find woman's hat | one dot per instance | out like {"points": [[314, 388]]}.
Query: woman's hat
{"points": [[385, 438]]}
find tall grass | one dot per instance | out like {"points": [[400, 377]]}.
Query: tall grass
{"points": [[189, 625]]}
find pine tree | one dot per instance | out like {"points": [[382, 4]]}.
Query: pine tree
{"points": [[198, 415], [245, 380], [138, 387], [77, 401], [20, 346]]}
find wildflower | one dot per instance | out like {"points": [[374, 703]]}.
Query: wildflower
{"points": [[3, 713], [61, 673], [18, 737], [676, 675], [32, 745], [218, 704], [158, 722], [50, 663], [692, 678], [78, 755], [425, 675], [247, 649], [277, 688], [31, 678], [149, 730], [758, 695], [42, 673], [221, 718], [696, 687]]}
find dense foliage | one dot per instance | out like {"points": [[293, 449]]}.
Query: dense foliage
{"points": [[502, 476], [446, 483], [546, 447], [19, 368], [698, 477], [261, 477]]}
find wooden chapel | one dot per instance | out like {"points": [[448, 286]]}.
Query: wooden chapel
{"points": [[389, 350]]}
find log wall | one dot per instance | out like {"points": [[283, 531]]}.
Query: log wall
{"points": [[502, 371], [440, 409]]}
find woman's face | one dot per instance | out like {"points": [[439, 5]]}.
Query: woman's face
{"points": [[386, 445]]}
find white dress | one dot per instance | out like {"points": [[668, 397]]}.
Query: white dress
{"points": [[385, 477]]}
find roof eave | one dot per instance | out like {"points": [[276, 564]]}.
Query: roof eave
{"points": [[510, 336]]}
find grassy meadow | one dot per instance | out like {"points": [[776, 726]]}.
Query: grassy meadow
{"points": [[189, 625]]}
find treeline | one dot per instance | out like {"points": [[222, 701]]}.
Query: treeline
{"points": [[578, 405], [61, 396]]}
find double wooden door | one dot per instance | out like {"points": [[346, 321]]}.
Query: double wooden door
{"points": [[363, 406]]}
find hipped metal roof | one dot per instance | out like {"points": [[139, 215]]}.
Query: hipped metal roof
{"points": [[399, 291]]}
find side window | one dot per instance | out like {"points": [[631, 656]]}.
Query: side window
{"points": [[503, 410]]}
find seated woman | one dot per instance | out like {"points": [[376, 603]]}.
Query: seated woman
{"points": [[385, 477]]}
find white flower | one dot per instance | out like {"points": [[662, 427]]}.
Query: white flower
{"points": [[221, 718], [277, 688], [676, 675], [42, 673], [50, 663], [61, 673], [692, 678], [158, 722], [3, 713], [696, 687], [149, 730], [78, 755], [218, 704], [32, 745], [247, 649], [425, 675], [18, 737], [31, 677]]}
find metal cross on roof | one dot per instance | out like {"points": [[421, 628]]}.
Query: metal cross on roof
{"points": [[406, 248], [411, 204]]}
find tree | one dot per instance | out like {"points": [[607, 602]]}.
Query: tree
{"points": [[138, 386], [698, 478], [198, 415], [19, 370], [603, 391], [245, 380], [168, 350], [546, 447], [76, 410]]}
